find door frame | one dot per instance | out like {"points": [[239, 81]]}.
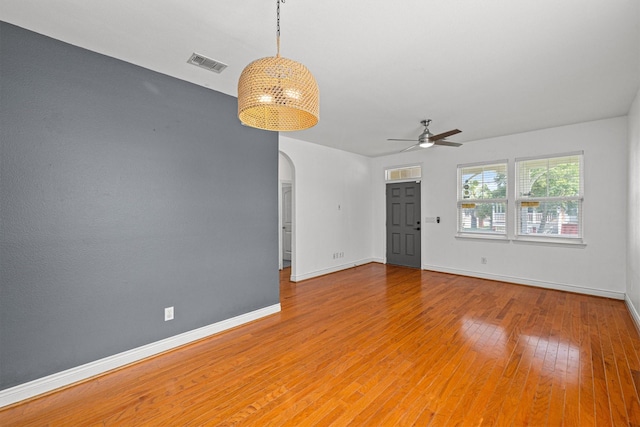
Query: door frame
{"points": [[383, 234], [292, 182], [285, 184], [419, 219]]}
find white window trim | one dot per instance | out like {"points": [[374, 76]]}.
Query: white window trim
{"points": [[482, 236], [406, 166], [479, 234], [557, 240], [511, 234], [551, 241]]}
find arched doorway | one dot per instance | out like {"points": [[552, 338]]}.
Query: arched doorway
{"points": [[286, 217]]}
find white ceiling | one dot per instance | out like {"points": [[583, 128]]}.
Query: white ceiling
{"points": [[489, 68]]}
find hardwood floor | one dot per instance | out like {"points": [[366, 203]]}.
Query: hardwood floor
{"points": [[381, 345]]}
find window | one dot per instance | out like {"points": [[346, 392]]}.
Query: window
{"points": [[549, 196], [482, 198], [404, 173]]}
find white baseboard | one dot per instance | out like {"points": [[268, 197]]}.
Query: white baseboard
{"points": [[633, 312], [82, 372], [530, 282], [317, 273]]}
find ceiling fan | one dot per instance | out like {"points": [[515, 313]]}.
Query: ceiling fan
{"points": [[427, 139]]}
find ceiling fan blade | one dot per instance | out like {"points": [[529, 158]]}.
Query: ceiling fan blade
{"points": [[410, 148], [447, 143], [443, 135], [394, 139]]}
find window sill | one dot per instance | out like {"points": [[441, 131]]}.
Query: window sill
{"points": [[550, 241], [481, 236], [525, 240]]}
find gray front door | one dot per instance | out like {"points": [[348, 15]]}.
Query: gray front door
{"points": [[403, 224]]}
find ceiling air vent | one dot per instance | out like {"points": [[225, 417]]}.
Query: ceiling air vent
{"points": [[207, 63]]}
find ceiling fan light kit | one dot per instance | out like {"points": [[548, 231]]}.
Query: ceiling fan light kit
{"points": [[426, 139], [278, 94]]}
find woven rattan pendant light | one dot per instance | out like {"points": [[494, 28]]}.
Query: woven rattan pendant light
{"points": [[277, 93]]}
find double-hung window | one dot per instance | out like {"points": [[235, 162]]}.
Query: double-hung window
{"points": [[549, 196], [482, 199]]}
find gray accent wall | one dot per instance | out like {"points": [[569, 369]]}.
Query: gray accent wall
{"points": [[122, 191]]}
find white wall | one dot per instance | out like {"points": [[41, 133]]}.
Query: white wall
{"points": [[332, 208], [598, 268], [285, 172], [633, 207]]}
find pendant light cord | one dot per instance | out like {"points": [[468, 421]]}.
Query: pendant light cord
{"points": [[278, 27]]}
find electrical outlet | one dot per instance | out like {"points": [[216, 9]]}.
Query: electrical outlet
{"points": [[168, 313], [483, 260]]}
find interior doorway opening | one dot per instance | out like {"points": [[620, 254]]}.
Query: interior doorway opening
{"points": [[286, 197], [286, 217]]}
